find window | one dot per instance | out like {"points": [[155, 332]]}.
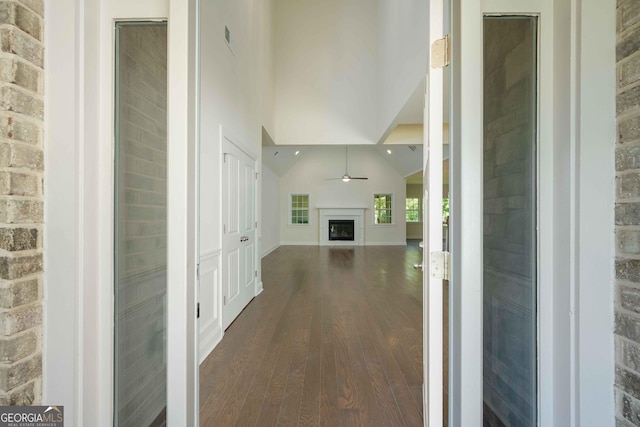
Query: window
{"points": [[382, 209], [299, 209], [413, 209], [445, 211]]}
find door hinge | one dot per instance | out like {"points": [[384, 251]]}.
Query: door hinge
{"points": [[198, 272], [256, 273], [198, 311], [225, 300], [256, 176], [224, 229], [441, 52], [256, 224], [440, 265], [224, 157]]}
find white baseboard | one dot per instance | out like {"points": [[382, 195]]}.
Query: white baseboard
{"points": [[270, 250], [404, 243], [298, 243], [209, 343]]}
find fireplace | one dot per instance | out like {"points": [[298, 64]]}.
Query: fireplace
{"points": [[342, 229], [338, 219]]}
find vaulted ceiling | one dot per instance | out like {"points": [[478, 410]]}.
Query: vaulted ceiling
{"points": [[348, 73]]}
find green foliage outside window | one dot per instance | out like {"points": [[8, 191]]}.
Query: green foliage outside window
{"points": [[382, 209], [445, 211], [299, 209], [413, 210]]}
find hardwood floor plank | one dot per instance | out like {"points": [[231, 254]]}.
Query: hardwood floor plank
{"points": [[399, 387], [365, 397], [310, 404], [264, 390], [390, 414], [329, 410], [298, 311], [290, 406], [238, 372], [344, 371]]}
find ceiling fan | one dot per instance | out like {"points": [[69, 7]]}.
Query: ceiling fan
{"points": [[346, 177]]}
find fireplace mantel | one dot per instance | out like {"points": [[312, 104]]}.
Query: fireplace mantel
{"points": [[342, 213]]}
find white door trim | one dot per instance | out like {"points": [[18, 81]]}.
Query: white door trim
{"points": [[576, 185], [79, 98], [432, 231], [183, 109], [465, 314]]}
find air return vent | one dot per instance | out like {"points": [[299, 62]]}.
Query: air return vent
{"points": [[227, 38]]}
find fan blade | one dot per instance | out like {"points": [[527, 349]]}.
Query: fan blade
{"points": [[353, 177], [333, 179]]}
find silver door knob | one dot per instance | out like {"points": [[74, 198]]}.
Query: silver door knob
{"points": [[417, 266]]}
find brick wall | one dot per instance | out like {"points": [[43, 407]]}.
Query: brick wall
{"points": [[21, 200], [627, 305]]}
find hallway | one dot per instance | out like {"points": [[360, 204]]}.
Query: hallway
{"points": [[334, 339]]}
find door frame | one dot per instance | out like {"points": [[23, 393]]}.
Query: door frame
{"points": [[432, 342], [575, 215], [79, 73]]}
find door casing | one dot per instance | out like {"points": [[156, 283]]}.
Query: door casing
{"points": [[572, 384]]}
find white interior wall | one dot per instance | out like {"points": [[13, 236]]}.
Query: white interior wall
{"points": [[231, 82], [309, 176], [325, 72], [236, 102], [403, 46], [369, 56], [270, 231]]}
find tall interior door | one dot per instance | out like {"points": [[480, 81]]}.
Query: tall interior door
{"points": [[239, 231]]}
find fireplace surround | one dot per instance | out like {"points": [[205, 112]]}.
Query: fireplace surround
{"points": [[341, 218]]}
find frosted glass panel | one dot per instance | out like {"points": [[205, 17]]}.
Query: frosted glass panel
{"points": [[509, 236], [141, 224]]}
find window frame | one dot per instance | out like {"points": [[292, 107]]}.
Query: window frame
{"points": [[290, 210], [419, 210], [392, 209]]}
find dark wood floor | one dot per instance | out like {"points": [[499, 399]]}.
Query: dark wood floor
{"points": [[334, 339]]}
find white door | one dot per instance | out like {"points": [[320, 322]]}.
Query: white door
{"points": [[239, 231], [432, 237]]}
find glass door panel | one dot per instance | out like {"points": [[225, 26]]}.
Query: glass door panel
{"points": [[140, 371], [509, 228]]}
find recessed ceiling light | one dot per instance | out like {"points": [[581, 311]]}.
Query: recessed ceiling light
{"points": [[388, 151], [297, 152]]}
